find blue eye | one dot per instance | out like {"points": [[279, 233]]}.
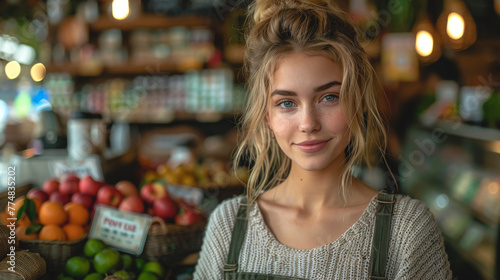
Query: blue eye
{"points": [[330, 98], [287, 104]]}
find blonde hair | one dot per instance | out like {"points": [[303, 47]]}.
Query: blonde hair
{"points": [[313, 27]]}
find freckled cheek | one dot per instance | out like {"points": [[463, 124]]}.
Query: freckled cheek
{"points": [[336, 121], [282, 125]]}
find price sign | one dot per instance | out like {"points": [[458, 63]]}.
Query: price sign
{"points": [[90, 165], [125, 231]]}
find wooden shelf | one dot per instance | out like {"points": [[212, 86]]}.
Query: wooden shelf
{"points": [[149, 21]]}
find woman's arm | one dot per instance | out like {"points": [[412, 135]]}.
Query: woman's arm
{"points": [[215, 246]]}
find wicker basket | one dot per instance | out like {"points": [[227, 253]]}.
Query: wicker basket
{"points": [[55, 253], [171, 243], [29, 266]]}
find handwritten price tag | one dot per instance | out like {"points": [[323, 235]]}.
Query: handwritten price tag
{"points": [[125, 231], [90, 165]]}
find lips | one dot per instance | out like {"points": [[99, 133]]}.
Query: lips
{"points": [[311, 146]]}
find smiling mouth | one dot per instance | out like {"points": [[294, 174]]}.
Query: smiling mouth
{"points": [[312, 146]]}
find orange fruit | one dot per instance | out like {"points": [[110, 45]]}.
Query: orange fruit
{"points": [[38, 203], [18, 203], [24, 221], [77, 213], [52, 232], [73, 231], [52, 213], [21, 234]]}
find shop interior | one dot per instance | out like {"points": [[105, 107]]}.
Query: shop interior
{"points": [[149, 94]]}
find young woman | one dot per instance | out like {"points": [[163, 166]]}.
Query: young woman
{"points": [[312, 115]]}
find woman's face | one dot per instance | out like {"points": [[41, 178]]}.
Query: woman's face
{"points": [[304, 111]]}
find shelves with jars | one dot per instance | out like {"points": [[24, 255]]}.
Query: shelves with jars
{"points": [[452, 170], [149, 21], [97, 69], [206, 95]]}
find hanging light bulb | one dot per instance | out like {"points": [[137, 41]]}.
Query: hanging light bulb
{"points": [[120, 9], [424, 43], [456, 25], [427, 43]]}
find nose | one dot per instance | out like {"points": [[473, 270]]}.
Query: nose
{"points": [[309, 121]]}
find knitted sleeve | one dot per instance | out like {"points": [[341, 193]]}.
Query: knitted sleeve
{"points": [[216, 241], [421, 253]]}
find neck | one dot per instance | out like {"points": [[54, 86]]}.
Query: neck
{"points": [[312, 189]]}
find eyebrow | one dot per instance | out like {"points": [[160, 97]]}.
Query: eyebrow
{"points": [[317, 89]]}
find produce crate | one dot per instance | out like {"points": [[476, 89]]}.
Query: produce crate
{"points": [[170, 243], [55, 253]]}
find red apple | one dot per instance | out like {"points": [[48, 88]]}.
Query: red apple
{"points": [[50, 186], [108, 195], [126, 188], [83, 199], [69, 185], [165, 208], [187, 215], [89, 186], [38, 193], [153, 191], [133, 204], [59, 197]]}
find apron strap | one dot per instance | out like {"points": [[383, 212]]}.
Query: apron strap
{"points": [[238, 235], [381, 236]]}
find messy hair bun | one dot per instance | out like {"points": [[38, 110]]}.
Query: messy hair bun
{"points": [[313, 27], [261, 9]]}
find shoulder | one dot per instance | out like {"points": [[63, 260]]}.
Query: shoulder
{"points": [[410, 207], [412, 217], [224, 214]]}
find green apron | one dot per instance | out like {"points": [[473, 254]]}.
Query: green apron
{"points": [[379, 251]]}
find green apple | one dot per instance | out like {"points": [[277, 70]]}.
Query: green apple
{"points": [[106, 260], [154, 267], [92, 247], [123, 275], [127, 261], [77, 267], [146, 275], [94, 276]]}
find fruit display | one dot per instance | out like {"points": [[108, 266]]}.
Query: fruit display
{"points": [[209, 174], [62, 210], [97, 261]]}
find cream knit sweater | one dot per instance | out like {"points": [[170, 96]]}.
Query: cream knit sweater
{"points": [[416, 247]]}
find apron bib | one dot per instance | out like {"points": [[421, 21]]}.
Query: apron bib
{"points": [[379, 251]]}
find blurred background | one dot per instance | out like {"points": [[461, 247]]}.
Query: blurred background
{"points": [[148, 87]]}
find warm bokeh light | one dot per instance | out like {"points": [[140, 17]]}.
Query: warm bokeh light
{"points": [[424, 43], [38, 72], [12, 69], [455, 26], [120, 9], [493, 188]]}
